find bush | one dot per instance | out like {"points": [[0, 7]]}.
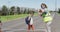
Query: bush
{"points": [[59, 11]]}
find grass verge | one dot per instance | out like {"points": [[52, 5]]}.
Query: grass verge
{"points": [[11, 17]]}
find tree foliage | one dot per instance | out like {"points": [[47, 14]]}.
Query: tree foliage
{"points": [[4, 10]]}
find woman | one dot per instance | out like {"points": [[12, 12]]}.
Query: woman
{"points": [[43, 12], [29, 21]]}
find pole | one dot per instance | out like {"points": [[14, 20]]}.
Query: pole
{"points": [[55, 5]]}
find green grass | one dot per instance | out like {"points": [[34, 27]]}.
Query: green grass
{"points": [[11, 17], [35, 14]]}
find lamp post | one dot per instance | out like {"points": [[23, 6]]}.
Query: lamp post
{"points": [[55, 5]]}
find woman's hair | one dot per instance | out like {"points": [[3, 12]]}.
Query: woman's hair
{"points": [[40, 11], [31, 12], [44, 5]]}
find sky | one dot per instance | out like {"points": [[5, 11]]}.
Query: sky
{"points": [[52, 4]]}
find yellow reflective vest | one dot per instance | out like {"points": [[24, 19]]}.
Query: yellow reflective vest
{"points": [[47, 18]]}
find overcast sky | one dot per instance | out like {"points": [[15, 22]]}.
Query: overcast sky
{"points": [[30, 3]]}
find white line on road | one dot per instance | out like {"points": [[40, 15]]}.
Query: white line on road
{"points": [[24, 30]]}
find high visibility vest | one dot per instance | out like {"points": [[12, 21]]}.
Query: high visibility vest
{"points": [[47, 18]]}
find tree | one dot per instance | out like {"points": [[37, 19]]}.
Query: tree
{"points": [[18, 10], [4, 10], [28, 11], [25, 11], [12, 10], [0, 12], [59, 11]]}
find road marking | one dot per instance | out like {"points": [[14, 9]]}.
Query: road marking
{"points": [[24, 30]]}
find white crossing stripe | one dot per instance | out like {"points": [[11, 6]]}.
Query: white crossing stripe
{"points": [[23, 30]]}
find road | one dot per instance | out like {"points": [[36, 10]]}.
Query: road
{"points": [[19, 25]]}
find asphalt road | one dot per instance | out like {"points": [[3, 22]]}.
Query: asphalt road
{"points": [[19, 25]]}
